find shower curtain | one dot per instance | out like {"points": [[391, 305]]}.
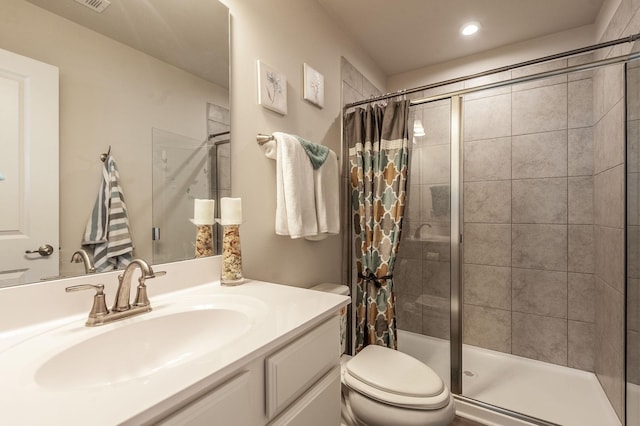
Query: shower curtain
{"points": [[377, 137]]}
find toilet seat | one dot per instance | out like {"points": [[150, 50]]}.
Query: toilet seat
{"points": [[396, 379]]}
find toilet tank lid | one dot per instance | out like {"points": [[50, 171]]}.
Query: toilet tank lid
{"points": [[332, 288]]}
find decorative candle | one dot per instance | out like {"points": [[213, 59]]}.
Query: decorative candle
{"points": [[230, 211], [203, 212]]}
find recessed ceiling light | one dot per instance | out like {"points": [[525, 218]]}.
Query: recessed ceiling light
{"points": [[470, 28]]}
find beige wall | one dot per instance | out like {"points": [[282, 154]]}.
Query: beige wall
{"points": [[284, 34], [495, 58], [113, 95]]}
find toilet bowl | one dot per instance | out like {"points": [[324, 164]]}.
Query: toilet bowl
{"points": [[382, 386]]}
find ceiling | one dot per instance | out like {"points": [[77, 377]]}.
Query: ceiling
{"points": [[402, 35], [190, 34]]}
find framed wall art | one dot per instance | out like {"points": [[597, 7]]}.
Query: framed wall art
{"points": [[313, 86], [272, 89]]}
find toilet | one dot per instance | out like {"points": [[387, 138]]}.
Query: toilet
{"points": [[382, 386]]}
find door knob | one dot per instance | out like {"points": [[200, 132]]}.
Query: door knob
{"points": [[45, 250]]}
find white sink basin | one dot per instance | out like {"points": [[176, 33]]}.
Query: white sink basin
{"points": [[171, 335], [142, 348]]}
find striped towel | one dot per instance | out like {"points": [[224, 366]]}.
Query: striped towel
{"points": [[107, 232]]}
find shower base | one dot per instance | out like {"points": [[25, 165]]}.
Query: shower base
{"points": [[557, 394]]}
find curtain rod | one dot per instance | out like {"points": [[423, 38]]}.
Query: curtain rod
{"points": [[629, 39]]}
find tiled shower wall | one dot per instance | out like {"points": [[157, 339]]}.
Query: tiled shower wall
{"points": [[633, 222], [609, 177], [528, 218]]}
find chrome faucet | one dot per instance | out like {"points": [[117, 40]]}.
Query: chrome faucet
{"points": [[122, 307], [123, 295], [82, 256]]}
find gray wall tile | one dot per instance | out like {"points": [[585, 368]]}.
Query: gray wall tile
{"points": [[352, 76], [487, 328], [581, 345], [633, 304], [539, 337], [540, 292], [608, 197], [488, 202], [487, 244], [435, 164], [633, 251], [633, 357], [580, 200], [408, 315], [436, 280], [609, 256], [408, 277], [581, 297], [542, 109], [581, 249], [539, 201], [580, 161], [609, 313], [538, 68], [540, 247], [609, 367], [488, 286], [613, 85], [608, 141], [488, 159], [436, 122], [487, 118], [539, 155], [436, 318], [580, 98]]}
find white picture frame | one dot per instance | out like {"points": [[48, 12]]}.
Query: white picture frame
{"points": [[272, 89], [313, 86]]}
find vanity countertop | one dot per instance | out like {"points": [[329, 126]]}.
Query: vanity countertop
{"points": [[282, 313]]}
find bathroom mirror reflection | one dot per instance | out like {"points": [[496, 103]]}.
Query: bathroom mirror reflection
{"points": [[122, 74]]}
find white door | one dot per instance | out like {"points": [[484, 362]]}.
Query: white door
{"points": [[29, 169]]}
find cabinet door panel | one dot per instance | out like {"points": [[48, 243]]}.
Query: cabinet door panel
{"points": [[225, 405], [320, 406]]}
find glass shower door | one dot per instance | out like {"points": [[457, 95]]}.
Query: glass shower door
{"points": [[422, 271], [541, 225]]}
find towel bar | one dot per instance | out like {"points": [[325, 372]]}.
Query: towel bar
{"points": [[262, 138]]}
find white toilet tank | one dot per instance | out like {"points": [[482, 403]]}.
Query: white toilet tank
{"points": [[337, 289]]}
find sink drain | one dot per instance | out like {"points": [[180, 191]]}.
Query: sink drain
{"points": [[469, 373]]}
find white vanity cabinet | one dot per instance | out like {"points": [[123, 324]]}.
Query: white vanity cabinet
{"points": [[295, 383]]}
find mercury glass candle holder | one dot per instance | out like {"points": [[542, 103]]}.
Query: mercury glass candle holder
{"points": [[231, 271]]}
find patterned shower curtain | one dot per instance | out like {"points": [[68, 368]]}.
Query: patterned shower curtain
{"points": [[377, 138]]}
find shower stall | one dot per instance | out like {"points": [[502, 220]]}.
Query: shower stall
{"points": [[510, 277]]}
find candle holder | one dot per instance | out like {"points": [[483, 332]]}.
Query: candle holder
{"points": [[231, 272], [204, 241]]}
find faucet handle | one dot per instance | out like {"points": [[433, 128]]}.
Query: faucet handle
{"points": [[99, 308], [158, 274]]}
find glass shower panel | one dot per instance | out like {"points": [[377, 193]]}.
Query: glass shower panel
{"points": [[181, 173], [539, 220], [422, 271], [633, 243]]}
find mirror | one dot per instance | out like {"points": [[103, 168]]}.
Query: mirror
{"points": [[127, 74]]}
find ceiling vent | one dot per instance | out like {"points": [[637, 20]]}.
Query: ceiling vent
{"points": [[95, 5]]}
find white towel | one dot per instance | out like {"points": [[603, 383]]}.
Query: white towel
{"points": [[107, 232], [327, 194], [307, 199]]}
